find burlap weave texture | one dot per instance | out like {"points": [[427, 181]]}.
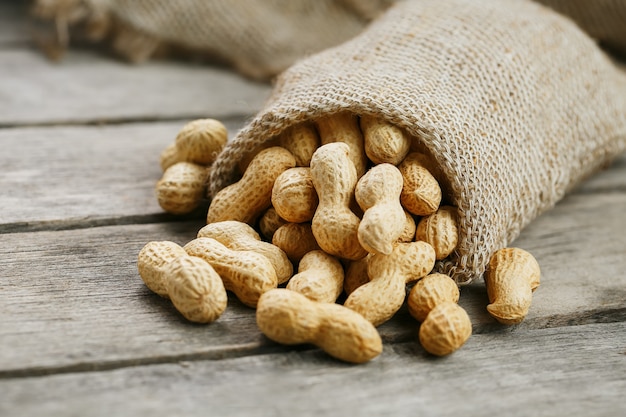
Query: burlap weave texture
{"points": [[514, 102], [259, 38]]}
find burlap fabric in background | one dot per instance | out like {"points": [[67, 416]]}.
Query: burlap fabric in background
{"points": [[513, 101], [260, 38]]}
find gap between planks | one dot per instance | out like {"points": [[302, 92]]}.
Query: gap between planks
{"points": [[267, 347], [229, 119], [576, 371]]}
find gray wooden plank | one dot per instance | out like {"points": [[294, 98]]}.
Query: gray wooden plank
{"points": [[89, 87], [82, 173], [73, 300], [570, 371], [75, 297]]}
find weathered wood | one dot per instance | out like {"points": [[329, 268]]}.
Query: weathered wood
{"points": [[62, 176], [570, 371], [89, 87], [73, 299]]}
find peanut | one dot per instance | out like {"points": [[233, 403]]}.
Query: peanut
{"points": [[295, 239], [181, 188], [248, 156], [293, 197], [430, 291], [344, 127], [440, 229], [152, 261], [383, 222], [512, 276], [247, 274], [408, 233], [246, 199], [356, 275], [380, 298], [269, 222], [290, 318], [384, 143], [200, 141], [446, 328], [421, 193], [195, 289], [319, 277], [301, 140], [169, 156], [241, 236], [334, 225]]}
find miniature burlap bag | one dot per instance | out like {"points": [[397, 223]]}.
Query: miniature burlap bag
{"points": [[514, 102]]}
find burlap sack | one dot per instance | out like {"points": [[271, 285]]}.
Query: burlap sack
{"points": [[514, 102], [259, 38]]}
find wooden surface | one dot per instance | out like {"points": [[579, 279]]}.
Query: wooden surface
{"points": [[80, 335]]}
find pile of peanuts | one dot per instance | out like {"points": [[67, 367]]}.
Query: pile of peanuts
{"points": [[344, 204]]}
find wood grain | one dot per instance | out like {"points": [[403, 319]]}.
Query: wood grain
{"points": [[89, 87], [73, 299], [572, 371], [80, 335], [64, 176]]}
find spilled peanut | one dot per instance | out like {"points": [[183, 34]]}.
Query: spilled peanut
{"points": [[446, 328], [200, 141], [380, 298], [430, 291], [247, 274], [290, 318], [152, 264], [240, 236], [182, 187], [195, 289], [185, 162], [512, 276], [319, 278]]}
